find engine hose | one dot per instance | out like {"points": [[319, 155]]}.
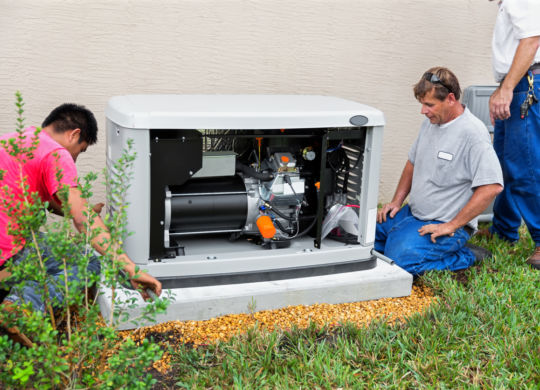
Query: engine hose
{"points": [[278, 213], [301, 234], [250, 172], [280, 226], [308, 228]]}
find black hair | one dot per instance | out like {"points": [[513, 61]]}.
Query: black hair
{"points": [[71, 116]]}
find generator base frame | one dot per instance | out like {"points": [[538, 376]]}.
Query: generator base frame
{"points": [[203, 303]]}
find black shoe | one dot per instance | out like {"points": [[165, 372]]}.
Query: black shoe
{"points": [[479, 252]]}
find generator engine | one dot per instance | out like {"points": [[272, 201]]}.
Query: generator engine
{"points": [[262, 199], [279, 198]]}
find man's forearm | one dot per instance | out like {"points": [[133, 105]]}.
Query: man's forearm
{"points": [[480, 200], [523, 58], [404, 185], [102, 241]]}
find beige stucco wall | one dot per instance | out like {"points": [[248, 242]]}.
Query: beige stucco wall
{"points": [[371, 51]]}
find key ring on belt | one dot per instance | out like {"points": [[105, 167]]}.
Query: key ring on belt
{"points": [[530, 79]]}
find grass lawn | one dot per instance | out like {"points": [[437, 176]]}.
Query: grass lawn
{"points": [[484, 332]]}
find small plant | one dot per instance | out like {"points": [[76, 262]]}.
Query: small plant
{"points": [[252, 306], [72, 346]]}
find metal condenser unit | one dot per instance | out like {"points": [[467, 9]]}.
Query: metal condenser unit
{"points": [[236, 199]]}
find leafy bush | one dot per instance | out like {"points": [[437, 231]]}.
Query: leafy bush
{"points": [[72, 346]]}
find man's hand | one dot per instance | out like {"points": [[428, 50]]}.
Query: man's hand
{"points": [[499, 104], [144, 281], [391, 208], [437, 230]]}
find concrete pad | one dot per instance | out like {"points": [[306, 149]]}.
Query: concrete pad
{"points": [[202, 303]]}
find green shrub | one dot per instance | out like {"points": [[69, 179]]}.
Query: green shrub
{"points": [[73, 347]]}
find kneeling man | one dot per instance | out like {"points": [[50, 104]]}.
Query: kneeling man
{"points": [[451, 176]]}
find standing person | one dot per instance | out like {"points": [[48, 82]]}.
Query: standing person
{"points": [[515, 112], [66, 133], [451, 176]]}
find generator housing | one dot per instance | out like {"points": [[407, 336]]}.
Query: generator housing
{"points": [[237, 197]]}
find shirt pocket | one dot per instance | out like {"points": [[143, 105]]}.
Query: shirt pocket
{"points": [[444, 173]]}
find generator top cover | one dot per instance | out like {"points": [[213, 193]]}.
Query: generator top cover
{"points": [[239, 112]]}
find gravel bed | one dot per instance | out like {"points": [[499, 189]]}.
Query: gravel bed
{"points": [[200, 333]]}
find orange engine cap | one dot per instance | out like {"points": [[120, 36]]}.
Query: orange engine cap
{"points": [[285, 159], [266, 226]]}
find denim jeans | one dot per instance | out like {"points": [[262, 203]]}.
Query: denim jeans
{"points": [[398, 238], [31, 291], [517, 143]]}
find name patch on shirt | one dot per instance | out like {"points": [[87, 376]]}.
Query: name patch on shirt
{"points": [[445, 156]]}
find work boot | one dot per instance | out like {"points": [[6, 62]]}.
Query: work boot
{"points": [[16, 335], [13, 332], [486, 233], [534, 260], [479, 252]]}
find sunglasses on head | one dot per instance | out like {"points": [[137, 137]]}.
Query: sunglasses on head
{"points": [[434, 79]]}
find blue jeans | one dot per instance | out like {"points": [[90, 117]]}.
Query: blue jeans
{"points": [[517, 143], [398, 238], [31, 291]]}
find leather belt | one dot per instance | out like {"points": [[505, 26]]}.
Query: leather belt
{"points": [[469, 230], [535, 68]]}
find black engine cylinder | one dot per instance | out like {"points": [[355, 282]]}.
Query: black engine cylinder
{"points": [[208, 205]]}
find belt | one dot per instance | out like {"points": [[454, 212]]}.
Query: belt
{"points": [[535, 68], [469, 230]]}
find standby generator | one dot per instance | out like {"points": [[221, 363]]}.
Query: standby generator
{"points": [[242, 198]]}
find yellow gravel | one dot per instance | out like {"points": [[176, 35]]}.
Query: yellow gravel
{"points": [[223, 328]]}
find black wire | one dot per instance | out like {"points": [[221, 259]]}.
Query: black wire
{"points": [[279, 213], [346, 162], [339, 163], [280, 227], [301, 234]]}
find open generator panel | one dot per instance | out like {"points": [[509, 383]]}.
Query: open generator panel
{"points": [[235, 188], [269, 187]]}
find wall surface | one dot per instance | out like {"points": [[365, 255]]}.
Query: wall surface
{"points": [[371, 51]]}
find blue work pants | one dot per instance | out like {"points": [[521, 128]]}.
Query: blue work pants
{"points": [[517, 143], [32, 292], [398, 238]]}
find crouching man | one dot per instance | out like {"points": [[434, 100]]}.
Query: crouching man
{"points": [[451, 176], [66, 132]]}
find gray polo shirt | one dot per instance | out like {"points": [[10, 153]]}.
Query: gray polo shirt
{"points": [[449, 161]]}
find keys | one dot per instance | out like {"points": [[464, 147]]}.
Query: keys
{"points": [[524, 108], [527, 103], [532, 98]]}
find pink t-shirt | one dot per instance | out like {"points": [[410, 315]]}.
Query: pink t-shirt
{"points": [[41, 174]]}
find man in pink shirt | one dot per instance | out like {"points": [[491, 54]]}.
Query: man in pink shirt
{"points": [[66, 132]]}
